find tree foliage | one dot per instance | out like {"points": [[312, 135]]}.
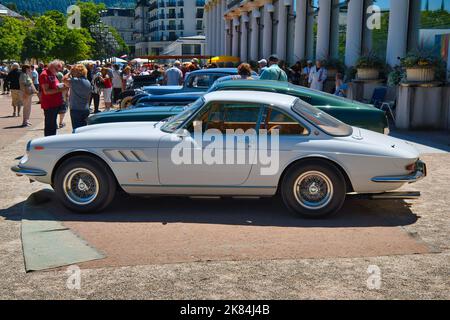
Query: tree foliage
{"points": [[13, 33]]}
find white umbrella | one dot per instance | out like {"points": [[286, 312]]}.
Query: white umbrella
{"points": [[86, 61], [115, 60]]}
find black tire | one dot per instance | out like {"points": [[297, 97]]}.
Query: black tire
{"points": [[324, 185], [103, 192]]}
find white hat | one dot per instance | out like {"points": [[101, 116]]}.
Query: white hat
{"points": [[262, 61], [15, 65]]}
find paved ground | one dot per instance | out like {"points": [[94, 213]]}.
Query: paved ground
{"points": [[328, 276]]}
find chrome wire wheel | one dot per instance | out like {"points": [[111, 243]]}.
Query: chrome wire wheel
{"points": [[313, 190], [80, 186]]}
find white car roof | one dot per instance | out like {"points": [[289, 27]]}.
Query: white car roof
{"points": [[269, 98]]}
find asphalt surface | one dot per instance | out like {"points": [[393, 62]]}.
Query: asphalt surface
{"points": [[237, 249]]}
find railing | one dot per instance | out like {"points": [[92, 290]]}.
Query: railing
{"points": [[153, 18], [161, 16], [199, 26], [180, 3], [161, 4], [171, 15], [171, 4], [180, 15], [200, 3], [180, 27], [171, 27]]}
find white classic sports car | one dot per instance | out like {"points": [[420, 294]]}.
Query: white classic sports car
{"points": [[228, 143]]}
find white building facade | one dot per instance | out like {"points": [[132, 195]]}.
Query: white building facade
{"points": [[123, 21], [315, 29], [159, 23]]}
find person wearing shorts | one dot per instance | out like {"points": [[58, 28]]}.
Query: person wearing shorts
{"points": [[107, 88]]}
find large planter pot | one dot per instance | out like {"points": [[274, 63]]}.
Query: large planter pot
{"points": [[367, 74], [420, 74]]}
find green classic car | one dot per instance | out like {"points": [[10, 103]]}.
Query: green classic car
{"points": [[351, 112]]}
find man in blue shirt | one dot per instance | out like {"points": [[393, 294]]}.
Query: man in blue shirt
{"points": [[274, 72]]}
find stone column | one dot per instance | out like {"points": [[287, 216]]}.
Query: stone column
{"points": [[235, 45], [244, 36], [354, 32], [267, 31], [282, 28], [414, 25], [206, 30], [219, 32], [323, 29], [309, 31], [300, 29], [222, 27], [367, 32], [334, 29], [254, 37], [227, 50], [398, 31]]}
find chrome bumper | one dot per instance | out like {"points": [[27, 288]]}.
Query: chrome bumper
{"points": [[419, 173], [20, 171]]}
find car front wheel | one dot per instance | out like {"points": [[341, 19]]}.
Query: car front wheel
{"points": [[314, 189], [84, 184]]}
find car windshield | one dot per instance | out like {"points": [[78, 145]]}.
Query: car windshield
{"points": [[175, 122], [322, 120]]}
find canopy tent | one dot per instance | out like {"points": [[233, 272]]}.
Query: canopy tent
{"points": [[223, 59], [86, 61], [116, 60]]}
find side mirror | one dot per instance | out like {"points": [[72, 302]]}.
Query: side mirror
{"points": [[183, 133]]}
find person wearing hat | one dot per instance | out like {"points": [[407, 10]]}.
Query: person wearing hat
{"points": [[194, 65], [262, 65], [13, 78], [274, 72], [305, 73]]}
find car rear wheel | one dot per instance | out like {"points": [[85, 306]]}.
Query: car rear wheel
{"points": [[84, 184], [314, 189]]}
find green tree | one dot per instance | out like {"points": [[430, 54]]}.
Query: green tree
{"points": [[72, 45], [40, 40], [58, 17], [13, 33], [90, 13], [123, 48]]}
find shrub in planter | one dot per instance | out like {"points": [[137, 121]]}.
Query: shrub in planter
{"points": [[420, 67], [395, 77], [368, 67]]}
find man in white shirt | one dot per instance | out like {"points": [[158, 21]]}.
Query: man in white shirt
{"points": [[174, 76], [317, 76]]}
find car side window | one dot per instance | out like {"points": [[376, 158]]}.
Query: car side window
{"points": [[223, 116], [286, 125], [200, 81]]}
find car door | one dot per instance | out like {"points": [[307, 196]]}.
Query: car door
{"points": [[205, 154]]}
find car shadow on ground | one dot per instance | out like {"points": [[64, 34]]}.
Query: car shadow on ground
{"points": [[249, 212]]}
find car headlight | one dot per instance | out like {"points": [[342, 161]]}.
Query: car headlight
{"points": [[28, 146]]}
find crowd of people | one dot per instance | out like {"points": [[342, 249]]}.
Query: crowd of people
{"points": [[80, 87]]}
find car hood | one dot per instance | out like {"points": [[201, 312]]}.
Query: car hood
{"points": [[121, 134]]}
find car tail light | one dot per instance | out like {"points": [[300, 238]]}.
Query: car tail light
{"points": [[39, 148]]}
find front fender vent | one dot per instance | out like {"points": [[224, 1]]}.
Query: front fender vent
{"points": [[124, 155]]}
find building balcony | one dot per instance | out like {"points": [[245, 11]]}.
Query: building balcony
{"points": [[162, 28], [201, 3], [161, 4], [180, 15], [171, 4], [180, 3], [199, 27], [199, 15], [171, 27], [180, 27], [153, 18], [171, 15], [161, 16], [153, 6]]}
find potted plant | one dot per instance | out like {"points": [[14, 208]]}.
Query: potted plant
{"points": [[420, 67], [368, 67], [333, 67]]}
